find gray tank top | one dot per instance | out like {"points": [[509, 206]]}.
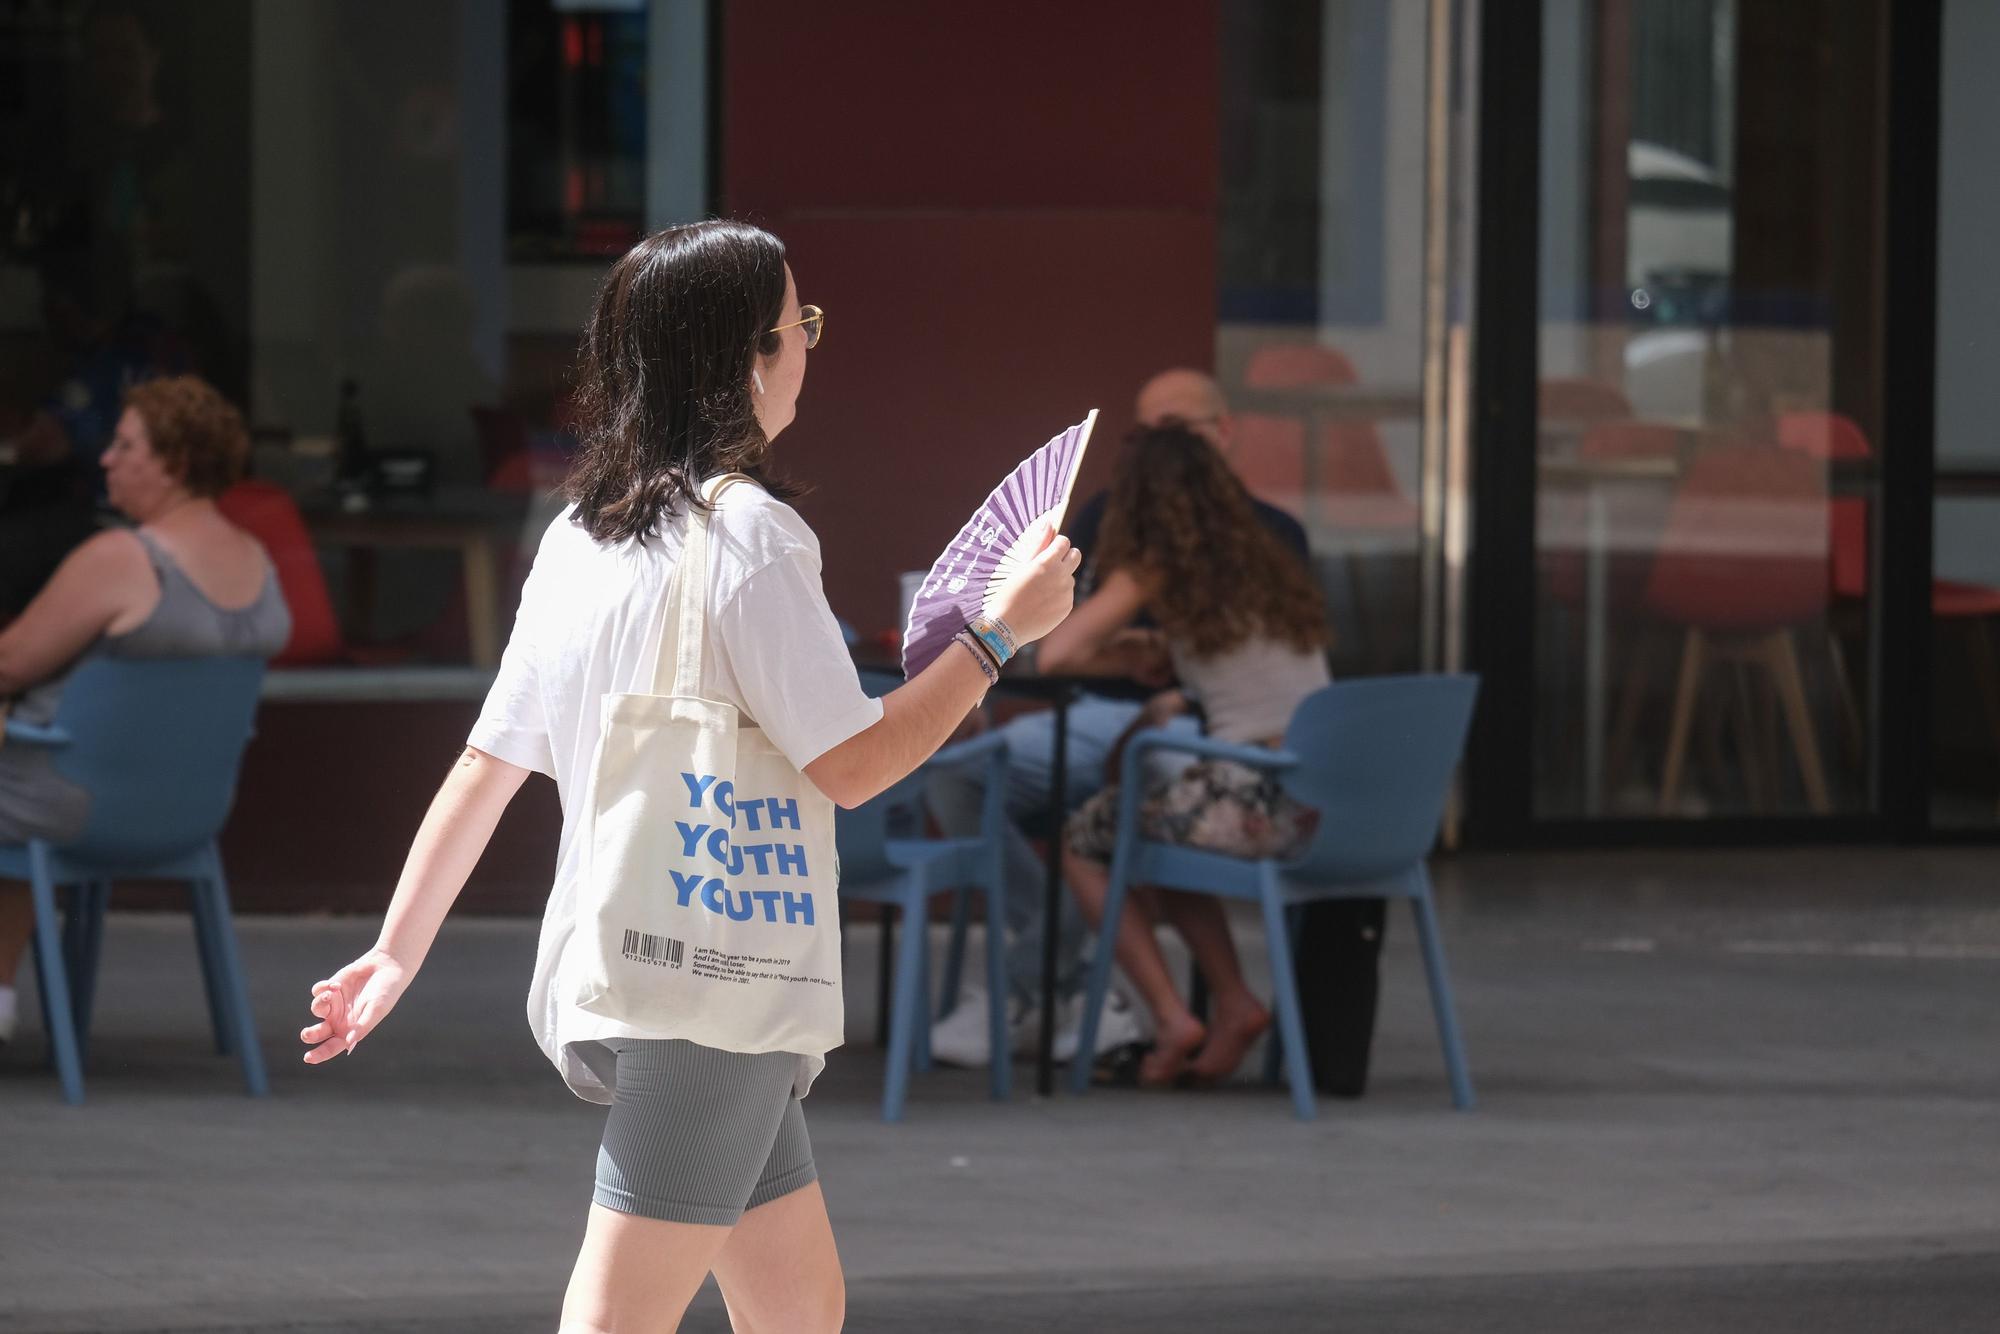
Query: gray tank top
{"points": [[186, 624]]}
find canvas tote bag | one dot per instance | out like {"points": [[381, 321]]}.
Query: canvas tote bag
{"points": [[707, 909]]}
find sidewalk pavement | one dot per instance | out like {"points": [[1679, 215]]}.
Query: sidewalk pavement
{"points": [[1719, 1092]]}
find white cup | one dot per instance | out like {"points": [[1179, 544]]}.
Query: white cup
{"points": [[910, 582]]}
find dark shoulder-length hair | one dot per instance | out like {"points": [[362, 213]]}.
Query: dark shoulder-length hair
{"points": [[1178, 515], [663, 376]]}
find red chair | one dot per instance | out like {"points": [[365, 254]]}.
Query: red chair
{"points": [[1742, 567], [1354, 475], [1837, 438], [266, 511], [1269, 455]]}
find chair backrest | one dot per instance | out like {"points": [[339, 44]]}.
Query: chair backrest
{"points": [[156, 742], [267, 512], [1745, 546], [1287, 365], [1823, 435], [1377, 756], [861, 836], [1836, 438]]}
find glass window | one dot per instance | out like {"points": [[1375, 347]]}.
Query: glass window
{"points": [[1710, 408], [377, 228], [576, 119]]}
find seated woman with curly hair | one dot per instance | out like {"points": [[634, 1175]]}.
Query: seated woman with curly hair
{"points": [[181, 582], [1248, 637]]}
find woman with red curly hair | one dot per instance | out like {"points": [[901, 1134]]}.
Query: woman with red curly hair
{"points": [[181, 582], [1182, 542]]}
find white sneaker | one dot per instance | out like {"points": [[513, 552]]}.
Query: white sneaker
{"points": [[1120, 1025], [960, 1038], [9, 1015]]}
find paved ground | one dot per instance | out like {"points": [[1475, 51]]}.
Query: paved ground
{"points": [[1720, 1092]]}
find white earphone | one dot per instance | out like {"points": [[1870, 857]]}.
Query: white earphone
{"points": [[757, 380]]}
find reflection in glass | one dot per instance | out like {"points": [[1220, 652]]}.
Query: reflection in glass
{"points": [[1965, 554], [1708, 419], [1320, 347]]}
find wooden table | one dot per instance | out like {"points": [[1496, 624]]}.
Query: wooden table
{"points": [[472, 522], [1323, 404]]}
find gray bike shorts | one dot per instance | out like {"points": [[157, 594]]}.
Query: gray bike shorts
{"points": [[697, 1135]]}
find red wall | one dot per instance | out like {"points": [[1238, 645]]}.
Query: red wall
{"points": [[1008, 212]]}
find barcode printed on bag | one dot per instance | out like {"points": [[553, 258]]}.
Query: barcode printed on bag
{"points": [[662, 950]]}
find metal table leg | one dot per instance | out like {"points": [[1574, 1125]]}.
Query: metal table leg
{"points": [[1045, 1053]]}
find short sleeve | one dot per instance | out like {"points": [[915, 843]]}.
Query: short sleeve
{"points": [[784, 647], [513, 723]]}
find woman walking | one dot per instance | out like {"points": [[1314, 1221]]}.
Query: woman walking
{"points": [[691, 366]]}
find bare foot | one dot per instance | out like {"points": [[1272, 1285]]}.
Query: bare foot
{"points": [[1176, 1040], [1238, 1025]]}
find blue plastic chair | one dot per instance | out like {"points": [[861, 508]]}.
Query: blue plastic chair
{"points": [[881, 864], [1375, 758], [156, 743]]}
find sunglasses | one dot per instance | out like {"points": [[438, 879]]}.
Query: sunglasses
{"points": [[813, 319]]}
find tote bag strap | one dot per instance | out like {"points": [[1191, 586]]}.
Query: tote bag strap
{"points": [[687, 611]]}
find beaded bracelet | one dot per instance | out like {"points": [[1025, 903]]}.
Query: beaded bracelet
{"points": [[979, 655], [996, 636]]}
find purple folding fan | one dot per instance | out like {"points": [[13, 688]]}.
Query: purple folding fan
{"points": [[993, 545]]}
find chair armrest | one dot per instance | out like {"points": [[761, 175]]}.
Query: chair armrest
{"points": [[1159, 738], [33, 734]]}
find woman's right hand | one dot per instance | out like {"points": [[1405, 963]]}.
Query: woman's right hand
{"points": [[351, 1002], [1034, 601]]}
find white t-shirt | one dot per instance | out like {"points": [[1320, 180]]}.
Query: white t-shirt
{"points": [[589, 625]]}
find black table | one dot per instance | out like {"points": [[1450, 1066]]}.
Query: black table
{"points": [[1059, 692]]}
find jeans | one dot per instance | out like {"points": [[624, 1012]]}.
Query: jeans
{"points": [[1095, 724]]}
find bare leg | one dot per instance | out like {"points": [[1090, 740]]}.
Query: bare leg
{"points": [[779, 1272], [1239, 1018], [637, 1275], [1178, 1032], [17, 924]]}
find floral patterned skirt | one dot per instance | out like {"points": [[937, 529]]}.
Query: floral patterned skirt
{"points": [[1215, 805]]}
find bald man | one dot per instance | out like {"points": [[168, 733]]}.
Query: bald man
{"points": [[1189, 398], [1134, 667]]}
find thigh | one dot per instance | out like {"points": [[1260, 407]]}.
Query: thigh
{"points": [[689, 1136], [636, 1275], [1092, 830], [779, 1270]]}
